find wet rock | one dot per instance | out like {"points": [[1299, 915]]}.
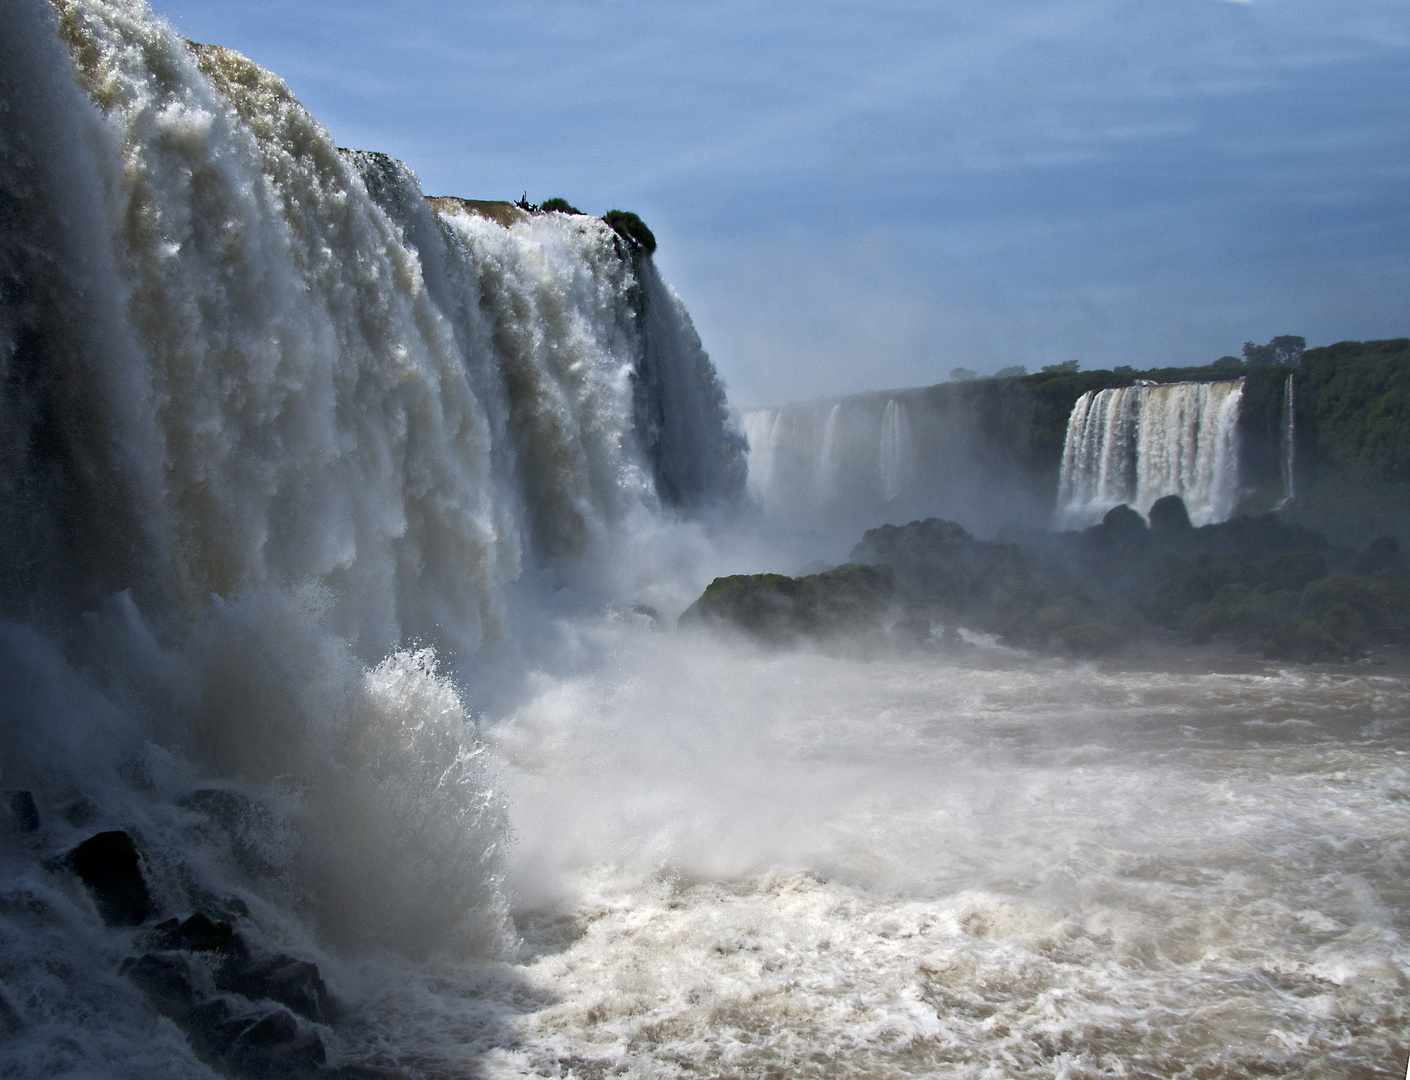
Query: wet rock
{"points": [[80, 812], [779, 609], [1382, 556], [1170, 520], [952, 641], [292, 983], [10, 1020], [168, 983], [275, 1048], [109, 865], [24, 812], [912, 630], [199, 933]]}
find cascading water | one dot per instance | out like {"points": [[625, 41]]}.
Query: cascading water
{"points": [[897, 451], [1136, 444], [271, 417]]}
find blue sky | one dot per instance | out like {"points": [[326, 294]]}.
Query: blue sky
{"points": [[866, 195]]}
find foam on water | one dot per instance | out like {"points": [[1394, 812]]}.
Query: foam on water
{"points": [[814, 866]]}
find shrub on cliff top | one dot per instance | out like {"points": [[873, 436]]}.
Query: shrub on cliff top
{"points": [[562, 206], [631, 229]]}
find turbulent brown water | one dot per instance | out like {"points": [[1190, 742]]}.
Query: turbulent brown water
{"points": [[342, 531]]}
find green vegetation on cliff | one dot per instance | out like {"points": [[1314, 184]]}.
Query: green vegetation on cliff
{"points": [[1353, 438]]}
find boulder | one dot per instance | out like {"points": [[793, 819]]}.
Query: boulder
{"points": [[296, 984], [199, 933], [24, 812], [167, 981], [274, 1047], [109, 865]]}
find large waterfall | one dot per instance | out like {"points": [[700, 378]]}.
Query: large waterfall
{"points": [[1136, 444], [283, 439]]}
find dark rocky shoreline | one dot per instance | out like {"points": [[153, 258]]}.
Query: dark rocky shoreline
{"points": [[1257, 585]]}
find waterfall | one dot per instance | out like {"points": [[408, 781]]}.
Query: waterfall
{"points": [[284, 439], [1136, 444], [761, 429], [897, 452], [1289, 441], [828, 456]]}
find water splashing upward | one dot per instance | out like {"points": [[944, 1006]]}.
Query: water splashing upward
{"points": [[1136, 444]]}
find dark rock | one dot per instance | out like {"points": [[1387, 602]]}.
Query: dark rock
{"points": [[293, 983], [1123, 528], [779, 609], [24, 812], [273, 1047], [245, 822], [213, 1026], [10, 1021], [109, 865], [80, 812], [912, 630], [1170, 519], [199, 933], [952, 641], [1382, 556], [167, 982]]}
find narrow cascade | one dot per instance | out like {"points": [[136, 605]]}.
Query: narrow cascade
{"points": [[1137, 444], [828, 456], [897, 451], [1289, 441], [761, 432]]}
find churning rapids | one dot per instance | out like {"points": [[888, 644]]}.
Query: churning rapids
{"points": [[340, 528]]}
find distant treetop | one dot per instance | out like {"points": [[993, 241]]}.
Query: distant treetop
{"points": [[1065, 368], [1011, 372], [1285, 351], [962, 374]]}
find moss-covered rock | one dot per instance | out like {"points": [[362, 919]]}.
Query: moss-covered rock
{"points": [[780, 609]]}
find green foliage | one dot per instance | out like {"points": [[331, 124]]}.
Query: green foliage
{"points": [[1285, 351], [962, 374], [1232, 362], [1353, 424], [1014, 371], [631, 229], [1064, 368], [559, 206]]}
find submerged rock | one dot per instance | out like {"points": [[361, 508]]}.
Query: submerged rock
{"points": [[24, 812], [109, 865], [275, 1046], [296, 984], [199, 933], [167, 981]]}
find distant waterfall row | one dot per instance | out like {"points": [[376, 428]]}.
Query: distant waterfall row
{"points": [[817, 454], [1136, 444]]}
